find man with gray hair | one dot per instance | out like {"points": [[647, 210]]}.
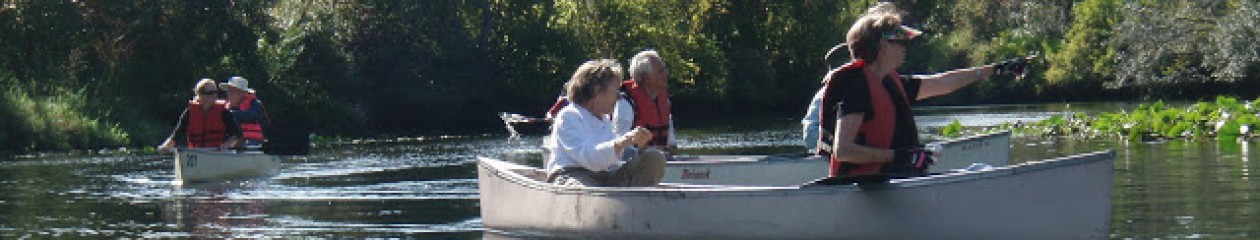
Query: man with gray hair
{"points": [[248, 110], [646, 101]]}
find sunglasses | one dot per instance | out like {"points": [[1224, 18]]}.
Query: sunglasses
{"points": [[204, 92]]}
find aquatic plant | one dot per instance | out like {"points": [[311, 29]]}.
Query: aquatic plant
{"points": [[953, 130], [1224, 118]]}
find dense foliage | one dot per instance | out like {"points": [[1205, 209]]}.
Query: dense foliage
{"points": [[89, 74]]}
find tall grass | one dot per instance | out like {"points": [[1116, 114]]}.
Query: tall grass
{"points": [[52, 123]]}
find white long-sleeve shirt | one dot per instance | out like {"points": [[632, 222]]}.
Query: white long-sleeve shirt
{"points": [[811, 121], [623, 115], [581, 139]]}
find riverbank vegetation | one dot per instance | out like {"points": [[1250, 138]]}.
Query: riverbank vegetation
{"points": [[1226, 118], [89, 74]]}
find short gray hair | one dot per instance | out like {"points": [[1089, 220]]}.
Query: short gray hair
{"points": [[591, 79], [641, 65]]}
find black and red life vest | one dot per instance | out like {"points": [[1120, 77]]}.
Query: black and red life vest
{"points": [[650, 113], [876, 131], [251, 129], [206, 127]]}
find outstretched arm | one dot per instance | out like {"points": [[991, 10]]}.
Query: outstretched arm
{"points": [[947, 82], [180, 133]]}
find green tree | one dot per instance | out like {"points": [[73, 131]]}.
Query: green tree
{"points": [[1162, 43], [530, 45], [1083, 61], [1234, 43]]}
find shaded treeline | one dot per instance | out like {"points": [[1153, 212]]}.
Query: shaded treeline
{"points": [[90, 74]]}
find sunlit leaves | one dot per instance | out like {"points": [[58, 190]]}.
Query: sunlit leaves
{"points": [[953, 130], [1235, 55], [1085, 57], [1183, 41], [1224, 118]]}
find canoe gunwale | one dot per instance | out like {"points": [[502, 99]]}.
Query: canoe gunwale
{"points": [[975, 138], [1016, 169]]}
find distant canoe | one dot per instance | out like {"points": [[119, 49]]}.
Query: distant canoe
{"points": [[1062, 198], [518, 124], [195, 165], [993, 149]]}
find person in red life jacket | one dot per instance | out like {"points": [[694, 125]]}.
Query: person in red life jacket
{"points": [[582, 148], [868, 127], [245, 107], [646, 101], [206, 122]]}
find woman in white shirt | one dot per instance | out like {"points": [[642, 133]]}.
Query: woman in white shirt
{"points": [[584, 150]]}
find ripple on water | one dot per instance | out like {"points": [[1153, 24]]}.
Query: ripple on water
{"points": [[428, 189], [351, 166], [408, 190], [306, 226], [982, 119]]}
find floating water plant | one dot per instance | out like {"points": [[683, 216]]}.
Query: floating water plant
{"points": [[1225, 118]]}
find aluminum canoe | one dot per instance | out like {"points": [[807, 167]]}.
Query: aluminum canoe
{"points": [[1060, 198]]}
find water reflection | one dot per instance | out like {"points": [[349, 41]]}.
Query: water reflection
{"points": [[385, 190], [426, 187], [1185, 189], [210, 211]]}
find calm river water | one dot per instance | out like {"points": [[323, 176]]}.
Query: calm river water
{"points": [[427, 187]]}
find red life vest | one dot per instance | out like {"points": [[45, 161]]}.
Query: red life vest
{"points": [[649, 113], [876, 131], [206, 127], [561, 102], [250, 129]]}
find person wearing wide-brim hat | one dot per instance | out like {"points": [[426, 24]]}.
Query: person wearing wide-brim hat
{"points": [[248, 110], [237, 83], [867, 125]]}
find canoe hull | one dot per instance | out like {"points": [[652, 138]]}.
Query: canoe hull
{"points": [[202, 166], [1066, 198]]}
